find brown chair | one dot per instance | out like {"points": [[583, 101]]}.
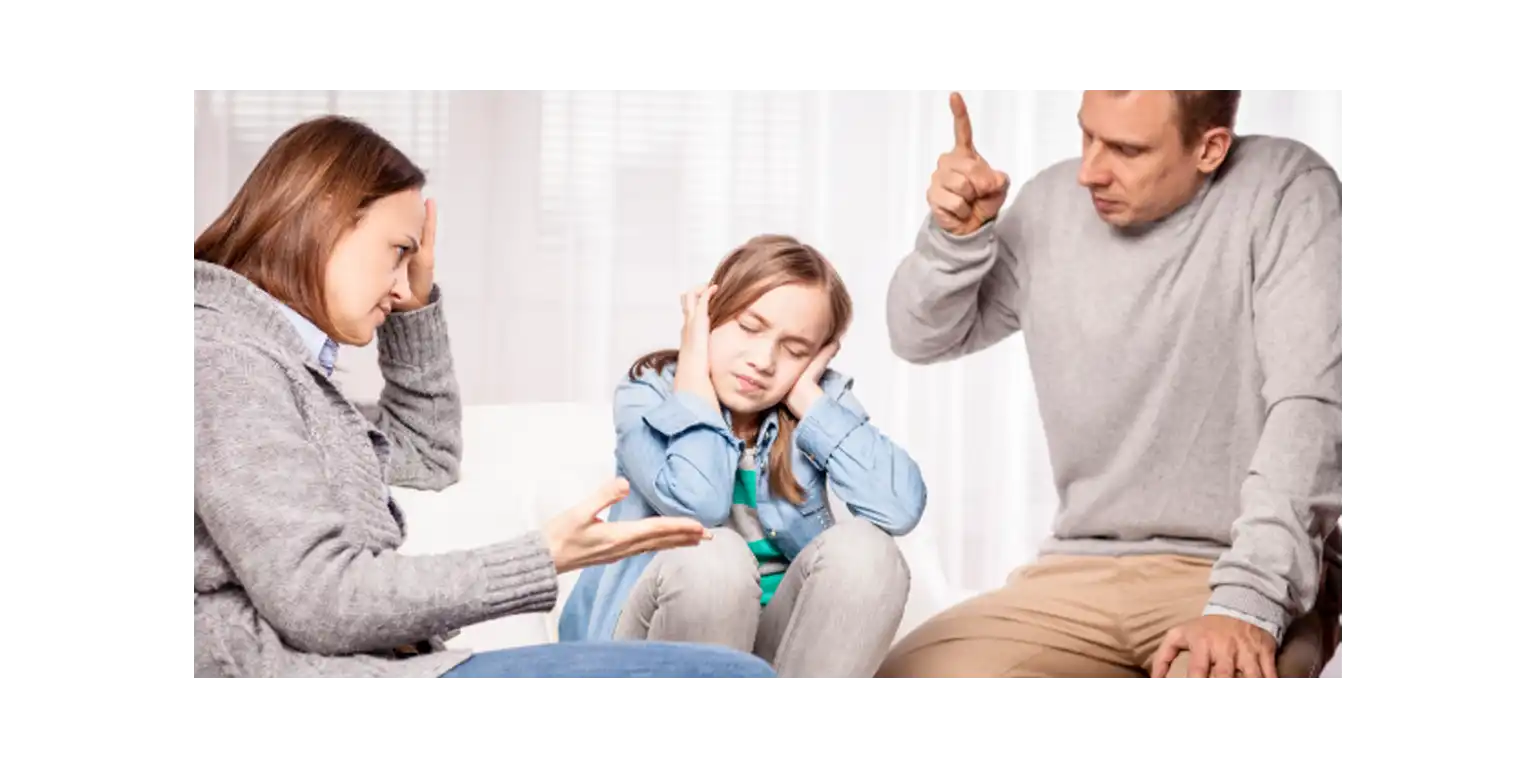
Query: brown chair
{"points": [[1330, 598]]}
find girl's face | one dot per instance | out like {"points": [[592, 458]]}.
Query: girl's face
{"points": [[367, 272], [756, 357]]}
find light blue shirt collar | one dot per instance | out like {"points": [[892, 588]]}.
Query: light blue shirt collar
{"points": [[320, 346]]}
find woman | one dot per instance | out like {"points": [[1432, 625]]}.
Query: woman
{"points": [[295, 534], [742, 429]]}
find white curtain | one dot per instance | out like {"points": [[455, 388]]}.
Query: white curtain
{"points": [[570, 222]]}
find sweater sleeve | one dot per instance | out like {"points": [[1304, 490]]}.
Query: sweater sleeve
{"points": [[955, 295], [263, 494], [1291, 498], [420, 409]]}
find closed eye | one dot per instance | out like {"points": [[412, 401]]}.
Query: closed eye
{"points": [[1119, 148]]}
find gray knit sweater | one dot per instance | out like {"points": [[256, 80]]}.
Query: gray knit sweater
{"points": [[1189, 374], [295, 534]]}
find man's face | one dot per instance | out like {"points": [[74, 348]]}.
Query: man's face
{"points": [[1135, 162]]}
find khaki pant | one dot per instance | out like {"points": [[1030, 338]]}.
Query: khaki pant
{"points": [[1091, 616]]}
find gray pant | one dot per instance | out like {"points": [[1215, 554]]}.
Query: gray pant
{"points": [[834, 614]]}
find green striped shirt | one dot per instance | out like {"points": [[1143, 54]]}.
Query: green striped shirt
{"points": [[771, 563]]}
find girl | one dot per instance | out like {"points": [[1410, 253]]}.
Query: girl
{"points": [[743, 428], [294, 532]]}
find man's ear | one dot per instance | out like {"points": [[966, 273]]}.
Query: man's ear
{"points": [[1213, 147]]}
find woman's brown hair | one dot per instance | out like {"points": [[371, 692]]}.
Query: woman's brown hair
{"points": [[310, 188], [760, 265]]}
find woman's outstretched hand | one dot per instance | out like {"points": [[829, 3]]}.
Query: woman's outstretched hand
{"points": [[578, 538]]}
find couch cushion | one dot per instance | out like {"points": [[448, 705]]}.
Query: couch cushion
{"points": [[522, 464]]}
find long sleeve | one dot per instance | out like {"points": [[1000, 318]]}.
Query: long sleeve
{"points": [[952, 296], [877, 478], [420, 409], [677, 452], [1291, 497], [264, 494]]}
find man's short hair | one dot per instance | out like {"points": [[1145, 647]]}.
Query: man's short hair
{"points": [[1200, 111]]}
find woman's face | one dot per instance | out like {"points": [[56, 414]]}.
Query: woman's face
{"points": [[367, 273], [756, 356]]}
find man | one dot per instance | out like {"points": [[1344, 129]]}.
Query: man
{"points": [[1181, 312]]}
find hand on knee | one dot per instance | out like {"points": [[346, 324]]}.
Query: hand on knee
{"points": [[1215, 646]]}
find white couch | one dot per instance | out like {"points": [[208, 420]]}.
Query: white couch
{"points": [[524, 463]]}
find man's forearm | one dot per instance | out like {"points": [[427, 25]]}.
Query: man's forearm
{"points": [[1291, 502], [952, 295], [1291, 499]]}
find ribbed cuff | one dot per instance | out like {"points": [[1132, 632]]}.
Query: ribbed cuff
{"points": [[1270, 627], [962, 250], [1249, 602], [416, 337], [520, 576], [824, 427]]}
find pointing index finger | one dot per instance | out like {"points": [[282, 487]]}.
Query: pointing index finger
{"points": [[962, 123]]}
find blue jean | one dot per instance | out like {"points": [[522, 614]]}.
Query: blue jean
{"points": [[613, 659]]}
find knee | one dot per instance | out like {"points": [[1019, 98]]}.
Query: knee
{"points": [[864, 561], [718, 574], [935, 650]]}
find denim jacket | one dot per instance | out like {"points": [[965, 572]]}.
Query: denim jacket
{"points": [[680, 458]]}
